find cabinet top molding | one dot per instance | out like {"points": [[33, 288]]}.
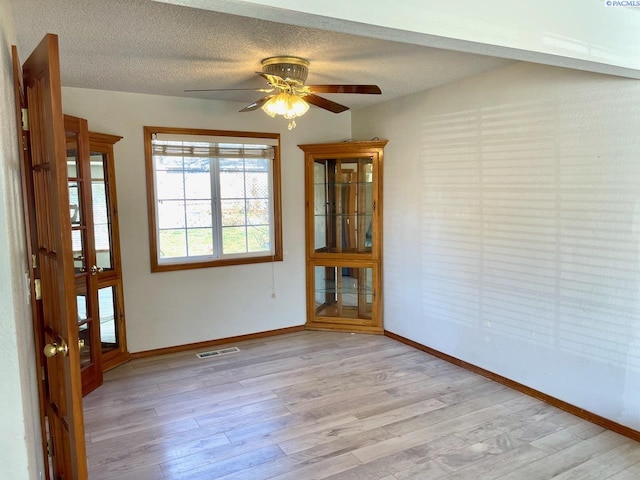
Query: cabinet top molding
{"points": [[343, 146]]}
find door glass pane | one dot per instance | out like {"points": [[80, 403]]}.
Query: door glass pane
{"points": [[72, 155], [81, 300], [343, 205], [84, 319], [343, 292], [84, 338], [79, 257], [75, 211], [101, 217], [72, 166], [107, 307]]}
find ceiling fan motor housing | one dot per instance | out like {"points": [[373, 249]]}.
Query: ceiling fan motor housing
{"points": [[289, 68]]}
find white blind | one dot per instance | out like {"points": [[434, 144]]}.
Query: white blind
{"points": [[212, 150], [213, 146], [214, 139]]}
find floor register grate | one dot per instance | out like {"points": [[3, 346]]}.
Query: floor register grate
{"points": [[217, 353]]}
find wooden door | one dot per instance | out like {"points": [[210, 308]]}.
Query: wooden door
{"points": [[78, 170], [47, 168], [27, 205]]}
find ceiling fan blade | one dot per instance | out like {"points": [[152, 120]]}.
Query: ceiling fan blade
{"points": [[266, 90], [257, 104], [324, 103], [367, 89], [274, 80]]}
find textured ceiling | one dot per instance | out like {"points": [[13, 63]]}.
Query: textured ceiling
{"points": [[149, 47]]}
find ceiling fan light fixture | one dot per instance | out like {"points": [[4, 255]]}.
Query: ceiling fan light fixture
{"points": [[294, 69], [286, 104]]}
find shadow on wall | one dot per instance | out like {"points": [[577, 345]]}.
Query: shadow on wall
{"points": [[529, 224]]}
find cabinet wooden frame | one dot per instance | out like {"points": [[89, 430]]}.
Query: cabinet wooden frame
{"points": [[345, 259]]}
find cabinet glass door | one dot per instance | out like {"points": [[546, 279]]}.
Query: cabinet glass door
{"points": [[106, 247], [77, 142], [104, 252], [102, 237], [344, 291], [343, 205], [108, 308], [343, 241]]}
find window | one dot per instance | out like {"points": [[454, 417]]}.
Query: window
{"points": [[213, 197]]}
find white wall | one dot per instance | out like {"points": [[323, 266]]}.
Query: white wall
{"points": [[512, 228], [588, 35], [20, 456], [176, 308]]}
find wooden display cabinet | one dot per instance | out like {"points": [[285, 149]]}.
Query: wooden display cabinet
{"points": [[343, 217]]}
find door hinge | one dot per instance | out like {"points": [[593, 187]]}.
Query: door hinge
{"points": [[49, 448], [38, 288], [25, 119], [34, 261]]}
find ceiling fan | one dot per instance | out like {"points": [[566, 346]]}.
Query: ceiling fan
{"points": [[287, 95]]}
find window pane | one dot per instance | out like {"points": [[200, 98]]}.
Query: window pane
{"points": [[233, 212], [173, 243], [168, 163], [231, 164], [169, 185], [231, 184], [257, 165], [200, 241], [257, 185], [198, 185], [171, 214], [196, 163], [234, 240], [257, 212], [259, 238], [199, 213]]}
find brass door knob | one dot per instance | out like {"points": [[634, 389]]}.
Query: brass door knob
{"points": [[95, 270], [52, 349]]}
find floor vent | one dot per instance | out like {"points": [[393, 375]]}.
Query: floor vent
{"points": [[217, 353]]}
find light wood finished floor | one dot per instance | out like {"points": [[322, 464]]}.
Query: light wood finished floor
{"points": [[324, 405]]}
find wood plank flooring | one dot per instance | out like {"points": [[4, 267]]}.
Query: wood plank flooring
{"points": [[338, 406]]}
